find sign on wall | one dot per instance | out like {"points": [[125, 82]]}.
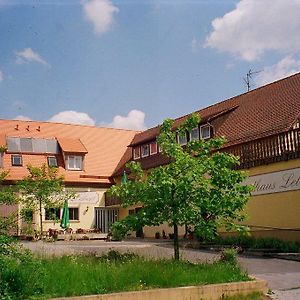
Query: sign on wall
{"points": [[276, 182], [85, 197]]}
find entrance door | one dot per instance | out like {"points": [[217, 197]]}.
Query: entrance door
{"points": [[105, 217]]}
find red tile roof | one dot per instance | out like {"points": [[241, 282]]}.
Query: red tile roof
{"points": [[71, 145], [265, 111], [104, 148], [262, 112]]}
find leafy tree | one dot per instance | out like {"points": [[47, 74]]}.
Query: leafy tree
{"points": [[199, 187], [42, 188], [8, 197]]}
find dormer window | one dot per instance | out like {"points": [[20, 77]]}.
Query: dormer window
{"points": [[74, 162], [194, 134], [205, 132], [182, 139], [136, 152], [153, 148], [145, 150], [16, 160]]}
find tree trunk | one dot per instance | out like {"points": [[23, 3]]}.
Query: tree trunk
{"points": [[41, 220], [176, 244]]}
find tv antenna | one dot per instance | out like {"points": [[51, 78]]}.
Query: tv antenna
{"points": [[248, 78]]}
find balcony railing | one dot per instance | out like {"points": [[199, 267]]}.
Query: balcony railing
{"points": [[280, 147], [110, 200]]}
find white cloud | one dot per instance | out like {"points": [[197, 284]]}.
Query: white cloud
{"points": [[285, 67], [134, 120], [21, 117], [100, 13], [256, 26], [72, 117], [28, 55], [1, 76]]}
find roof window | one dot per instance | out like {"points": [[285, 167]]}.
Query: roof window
{"points": [[153, 148], [16, 160], [205, 132], [52, 161], [136, 152], [145, 150]]}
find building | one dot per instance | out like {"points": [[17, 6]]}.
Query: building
{"points": [[261, 126], [85, 155]]}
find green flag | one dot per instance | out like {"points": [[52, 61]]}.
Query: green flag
{"points": [[124, 178], [65, 220]]}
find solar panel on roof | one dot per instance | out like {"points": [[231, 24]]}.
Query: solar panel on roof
{"points": [[26, 145], [52, 146], [30, 145], [39, 145], [13, 144]]}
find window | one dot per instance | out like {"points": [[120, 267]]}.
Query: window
{"points": [[52, 161], [52, 213], [145, 150], [153, 148], [73, 213], [16, 160], [74, 162], [1, 159], [182, 139], [205, 132], [136, 152], [194, 134]]}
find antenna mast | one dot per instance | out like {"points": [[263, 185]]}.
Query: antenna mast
{"points": [[248, 78]]}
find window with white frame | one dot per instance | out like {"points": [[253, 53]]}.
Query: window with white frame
{"points": [[16, 160], [194, 134], [182, 139], [136, 152], [153, 148], [74, 162], [52, 161], [205, 132], [145, 150]]}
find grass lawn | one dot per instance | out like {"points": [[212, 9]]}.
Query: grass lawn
{"points": [[84, 275]]}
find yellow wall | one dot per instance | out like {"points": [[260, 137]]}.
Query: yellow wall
{"points": [[280, 210], [86, 212]]}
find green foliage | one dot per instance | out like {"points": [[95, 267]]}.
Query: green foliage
{"points": [[19, 271], [229, 256], [114, 256], [86, 275], [248, 242], [43, 188], [8, 197], [198, 187]]}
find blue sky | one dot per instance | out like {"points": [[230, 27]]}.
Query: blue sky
{"points": [[131, 64]]}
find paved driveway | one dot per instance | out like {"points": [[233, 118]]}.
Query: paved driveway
{"points": [[283, 276]]}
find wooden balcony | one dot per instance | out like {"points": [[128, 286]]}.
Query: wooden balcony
{"points": [[280, 147], [110, 200]]}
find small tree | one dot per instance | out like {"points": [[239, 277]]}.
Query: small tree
{"points": [[43, 188], [198, 187], [7, 197]]}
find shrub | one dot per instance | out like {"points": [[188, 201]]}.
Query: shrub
{"points": [[229, 256], [20, 272], [115, 256]]}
